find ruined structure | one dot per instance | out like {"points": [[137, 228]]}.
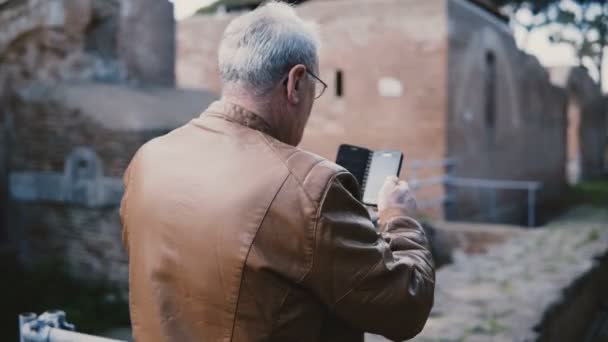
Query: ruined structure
{"points": [[83, 85], [587, 123], [506, 121], [436, 79]]}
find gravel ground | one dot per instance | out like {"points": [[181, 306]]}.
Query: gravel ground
{"points": [[501, 295]]}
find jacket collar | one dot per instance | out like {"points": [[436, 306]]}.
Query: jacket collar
{"points": [[237, 114]]}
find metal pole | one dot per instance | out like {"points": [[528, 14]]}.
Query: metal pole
{"points": [[60, 335], [493, 215], [450, 192], [531, 206], [413, 177], [24, 319]]}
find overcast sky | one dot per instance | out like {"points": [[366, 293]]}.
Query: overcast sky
{"points": [[537, 42]]}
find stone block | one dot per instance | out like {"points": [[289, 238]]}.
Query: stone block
{"points": [[146, 40]]}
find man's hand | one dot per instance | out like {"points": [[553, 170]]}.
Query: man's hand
{"points": [[395, 199]]}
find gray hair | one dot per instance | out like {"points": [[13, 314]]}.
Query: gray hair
{"points": [[260, 47]]}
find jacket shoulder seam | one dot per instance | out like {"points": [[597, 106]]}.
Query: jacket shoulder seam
{"points": [[298, 180], [316, 224], [270, 203]]}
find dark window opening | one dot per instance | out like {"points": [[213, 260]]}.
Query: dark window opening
{"points": [[490, 86], [82, 164], [339, 84]]}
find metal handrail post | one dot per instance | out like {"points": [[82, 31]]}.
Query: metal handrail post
{"points": [[24, 319], [60, 335], [531, 206], [450, 191]]}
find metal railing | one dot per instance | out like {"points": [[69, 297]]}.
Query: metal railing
{"points": [[531, 187], [52, 326], [450, 183]]}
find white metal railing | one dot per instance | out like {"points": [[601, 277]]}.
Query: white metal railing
{"points": [[531, 187], [450, 183], [51, 326]]}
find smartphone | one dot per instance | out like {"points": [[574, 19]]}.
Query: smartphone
{"points": [[371, 168], [384, 164]]}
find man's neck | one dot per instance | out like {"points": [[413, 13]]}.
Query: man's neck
{"points": [[256, 106], [262, 108]]}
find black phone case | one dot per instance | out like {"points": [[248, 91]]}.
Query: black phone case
{"points": [[358, 160]]}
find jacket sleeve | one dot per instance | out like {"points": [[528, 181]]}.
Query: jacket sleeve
{"points": [[381, 283]]}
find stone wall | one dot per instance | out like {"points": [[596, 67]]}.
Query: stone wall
{"points": [[72, 116], [593, 129], [587, 122], [66, 158], [50, 40], [146, 40], [506, 120], [102, 40]]}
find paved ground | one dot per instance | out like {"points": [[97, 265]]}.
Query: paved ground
{"points": [[501, 295]]}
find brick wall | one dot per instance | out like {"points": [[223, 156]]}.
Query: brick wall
{"points": [[392, 56], [87, 240], [415, 78]]}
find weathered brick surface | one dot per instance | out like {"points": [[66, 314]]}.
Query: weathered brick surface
{"points": [[53, 54], [435, 52], [366, 41], [86, 240], [146, 40], [45, 129]]}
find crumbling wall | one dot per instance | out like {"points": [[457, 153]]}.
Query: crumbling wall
{"points": [[51, 40], [67, 156], [593, 115], [72, 116], [505, 119], [146, 40], [100, 40]]}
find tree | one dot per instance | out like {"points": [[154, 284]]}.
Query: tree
{"points": [[582, 24]]}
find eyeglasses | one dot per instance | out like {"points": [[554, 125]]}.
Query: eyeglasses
{"points": [[318, 90]]}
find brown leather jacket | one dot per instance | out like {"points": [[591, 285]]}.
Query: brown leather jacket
{"points": [[235, 236]]}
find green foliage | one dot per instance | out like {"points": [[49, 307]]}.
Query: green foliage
{"points": [[536, 6], [591, 192], [582, 24]]}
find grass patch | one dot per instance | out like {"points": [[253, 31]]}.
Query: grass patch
{"points": [[591, 192]]}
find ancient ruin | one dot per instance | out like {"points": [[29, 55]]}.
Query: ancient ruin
{"points": [[437, 80], [83, 84]]}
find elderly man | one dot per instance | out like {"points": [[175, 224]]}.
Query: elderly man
{"points": [[235, 234]]}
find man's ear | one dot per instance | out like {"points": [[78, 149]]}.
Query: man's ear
{"points": [[295, 80]]}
